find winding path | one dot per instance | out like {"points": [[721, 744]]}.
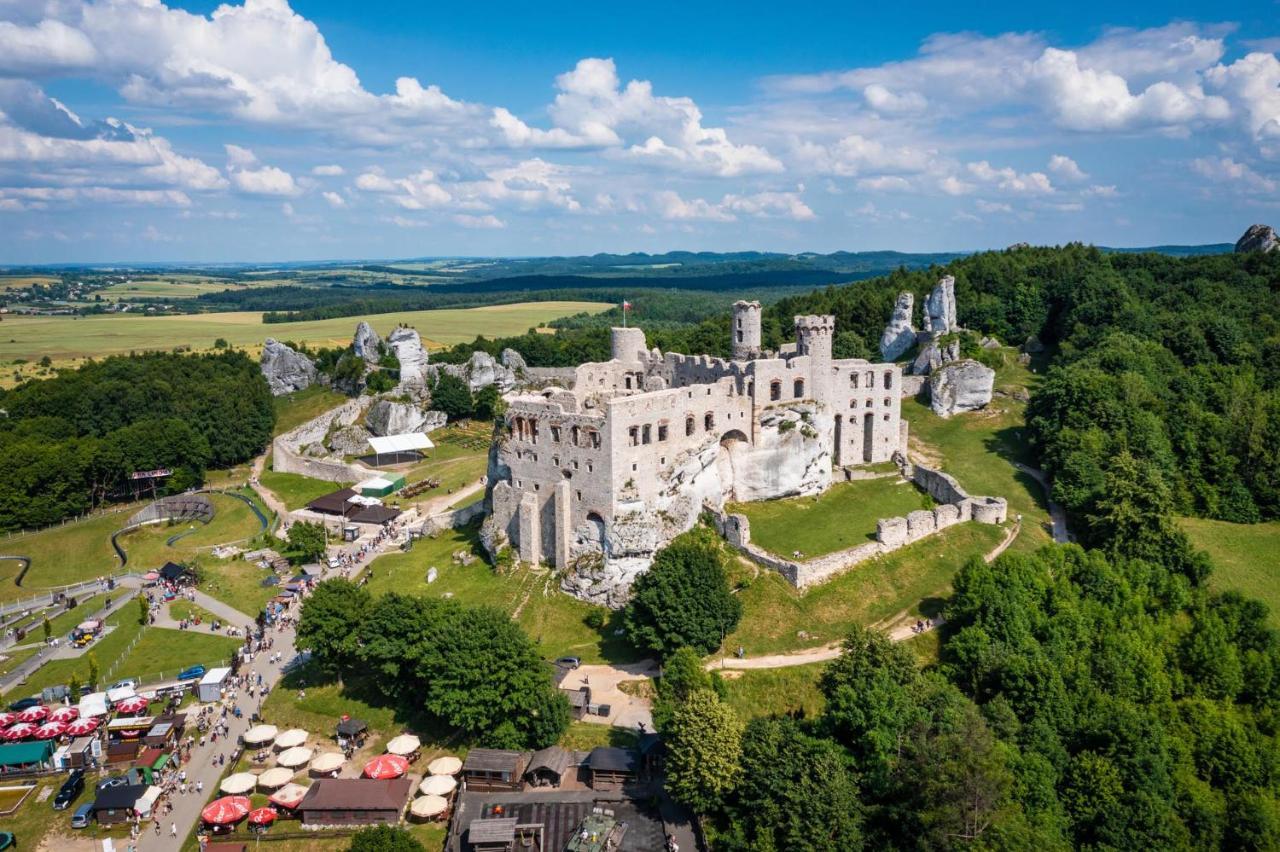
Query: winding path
{"points": [[1057, 514]]}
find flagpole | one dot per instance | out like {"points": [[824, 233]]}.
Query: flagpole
{"points": [[624, 313]]}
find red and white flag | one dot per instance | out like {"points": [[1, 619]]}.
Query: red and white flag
{"points": [[626, 306]]}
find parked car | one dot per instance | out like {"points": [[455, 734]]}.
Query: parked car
{"points": [[191, 673], [84, 813], [111, 781], [70, 790], [127, 683], [568, 662], [23, 704]]}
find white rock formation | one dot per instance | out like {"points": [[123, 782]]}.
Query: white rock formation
{"points": [[513, 360], [386, 417], [960, 386], [285, 369], [350, 440], [407, 346], [365, 343], [900, 334], [1261, 238], [940, 308], [933, 355]]}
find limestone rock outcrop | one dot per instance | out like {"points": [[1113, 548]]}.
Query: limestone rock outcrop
{"points": [[1262, 238], [407, 346], [365, 344], [933, 355], [513, 360], [285, 369], [386, 417], [960, 386], [899, 335], [940, 308], [350, 440], [480, 371]]}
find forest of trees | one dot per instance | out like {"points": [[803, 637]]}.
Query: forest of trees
{"points": [[70, 443]]}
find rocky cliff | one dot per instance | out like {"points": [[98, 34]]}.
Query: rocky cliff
{"points": [[960, 386], [940, 308], [900, 334], [286, 370], [407, 346], [1261, 238], [388, 417], [365, 344]]}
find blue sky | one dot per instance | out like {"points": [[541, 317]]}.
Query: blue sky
{"points": [[140, 130]]}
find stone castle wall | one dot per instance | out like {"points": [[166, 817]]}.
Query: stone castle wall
{"points": [[288, 451]]}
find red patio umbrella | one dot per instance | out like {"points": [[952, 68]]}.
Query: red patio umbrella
{"points": [[7, 719], [49, 730], [130, 706], [38, 713], [80, 727], [263, 816], [65, 714], [386, 766], [226, 810], [20, 731], [151, 575]]}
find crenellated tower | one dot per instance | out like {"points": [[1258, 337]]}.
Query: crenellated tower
{"points": [[746, 330]]}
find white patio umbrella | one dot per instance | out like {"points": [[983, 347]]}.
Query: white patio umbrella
{"points": [[404, 744], [294, 757], [238, 784], [447, 765], [291, 738], [437, 785], [327, 762], [428, 806], [276, 777], [260, 734]]}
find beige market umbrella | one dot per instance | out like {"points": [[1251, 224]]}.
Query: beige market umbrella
{"points": [[238, 784], [447, 765], [327, 762], [428, 806], [404, 744], [294, 757], [291, 738], [437, 785], [260, 734], [276, 777]]}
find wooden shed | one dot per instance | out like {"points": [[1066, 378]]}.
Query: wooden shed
{"points": [[115, 804], [492, 835], [548, 767], [611, 768], [354, 801], [489, 769]]}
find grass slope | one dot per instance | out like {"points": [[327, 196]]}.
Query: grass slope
{"points": [[296, 490], [62, 555], [775, 692], [843, 516], [66, 338], [294, 409], [1246, 557]]}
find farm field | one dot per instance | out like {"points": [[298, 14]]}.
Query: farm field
{"points": [[843, 516], [171, 287], [1246, 558], [66, 338], [777, 618]]}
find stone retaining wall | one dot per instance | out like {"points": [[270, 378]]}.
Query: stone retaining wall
{"points": [[287, 450], [453, 519], [955, 506]]}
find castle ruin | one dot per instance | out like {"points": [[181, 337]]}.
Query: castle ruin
{"points": [[595, 478]]}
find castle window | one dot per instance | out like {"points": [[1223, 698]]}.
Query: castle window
{"points": [[533, 431], [751, 388], [595, 440], [886, 417], [555, 434], [688, 425], [647, 434], [634, 434], [555, 460], [575, 435], [888, 380], [853, 403], [709, 422], [633, 467], [579, 495], [775, 390], [871, 379], [575, 464], [739, 335], [886, 402], [870, 402], [628, 380], [798, 388], [739, 326], [590, 467], [853, 380], [662, 431]]}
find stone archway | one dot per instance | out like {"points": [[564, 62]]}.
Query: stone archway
{"points": [[733, 445]]}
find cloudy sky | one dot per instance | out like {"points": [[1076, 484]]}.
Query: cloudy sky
{"points": [[135, 130]]}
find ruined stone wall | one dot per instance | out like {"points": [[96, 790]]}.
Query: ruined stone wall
{"points": [[288, 451]]}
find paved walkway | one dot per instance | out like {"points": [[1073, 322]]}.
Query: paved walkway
{"points": [[625, 711], [268, 496], [1057, 515]]}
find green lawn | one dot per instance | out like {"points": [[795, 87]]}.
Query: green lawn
{"points": [[61, 622], [161, 653], [556, 621], [777, 618], [296, 490], [775, 692], [978, 449], [1246, 557], [105, 651], [232, 522], [236, 583], [843, 516], [61, 555], [294, 409], [179, 610], [584, 736]]}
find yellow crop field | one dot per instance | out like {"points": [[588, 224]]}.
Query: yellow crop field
{"points": [[64, 339]]}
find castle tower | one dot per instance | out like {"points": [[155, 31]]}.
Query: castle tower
{"points": [[627, 344], [813, 337], [746, 330]]}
